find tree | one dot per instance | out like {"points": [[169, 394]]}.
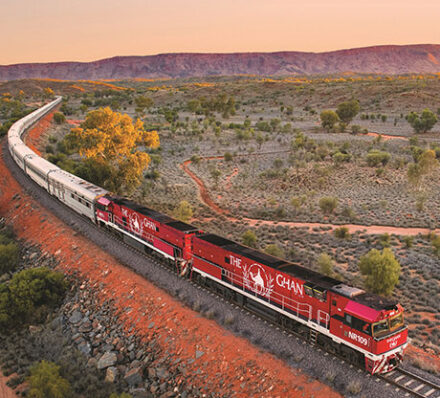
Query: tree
{"points": [[59, 118], [183, 211], [48, 93], [326, 264], [348, 110], [249, 238], [45, 381], [113, 140], [381, 269], [8, 257], [329, 119], [328, 204], [422, 123], [274, 250]]}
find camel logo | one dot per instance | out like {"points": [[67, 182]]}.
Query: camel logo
{"points": [[392, 342], [135, 225], [256, 280]]}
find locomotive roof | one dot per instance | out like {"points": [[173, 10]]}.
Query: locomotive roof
{"points": [[376, 302], [153, 214], [272, 261], [315, 278]]}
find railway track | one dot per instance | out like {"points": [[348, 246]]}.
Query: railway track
{"points": [[413, 384]]}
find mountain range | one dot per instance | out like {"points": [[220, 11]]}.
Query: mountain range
{"points": [[421, 58]]}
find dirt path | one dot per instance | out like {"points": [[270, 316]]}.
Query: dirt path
{"points": [[5, 391], [369, 229], [229, 363]]}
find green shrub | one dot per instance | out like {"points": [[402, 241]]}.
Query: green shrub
{"points": [[29, 296], [249, 238], [376, 158], [274, 250], [342, 233], [326, 264], [45, 381], [8, 257], [183, 211], [228, 156], [59, 118], [328, 204]]}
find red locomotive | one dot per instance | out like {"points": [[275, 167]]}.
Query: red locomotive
{"points": [[364, 328]]}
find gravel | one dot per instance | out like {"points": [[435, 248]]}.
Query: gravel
{"points": [[297, 353]]}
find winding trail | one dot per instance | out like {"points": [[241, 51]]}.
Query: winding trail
{"points": [[369, 229]]}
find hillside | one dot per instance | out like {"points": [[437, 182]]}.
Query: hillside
{"points": [[423, 58]]}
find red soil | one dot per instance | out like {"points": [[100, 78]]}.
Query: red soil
{"points": [[33, 136], [5, 391], [387, 137], [230, 365], [74, 122]]}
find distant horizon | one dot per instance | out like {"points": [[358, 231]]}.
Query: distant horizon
{"points": [[221, 53], [83, 31]]}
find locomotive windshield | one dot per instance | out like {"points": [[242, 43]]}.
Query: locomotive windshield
{"points": [[381, 328], [396, 322]]}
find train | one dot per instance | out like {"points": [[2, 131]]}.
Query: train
{"points": [[366, 329]]}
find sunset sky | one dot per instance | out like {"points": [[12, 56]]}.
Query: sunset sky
{"points": [[85, 30]]}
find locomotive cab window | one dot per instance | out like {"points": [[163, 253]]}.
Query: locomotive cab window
{"points": [[308, 289], [380, 328], [320, 293]]}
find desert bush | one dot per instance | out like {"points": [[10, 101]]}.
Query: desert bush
{"points": [[274, 250], [384, 240], [183, 211], [328, 204], [59, 118], [354, 387], [228, 156], [376, 158], [45, 381], [342, 233], [29, 296], [249, 238], [8, 257], [326, 264]]}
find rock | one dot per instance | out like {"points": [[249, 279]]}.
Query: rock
{"points": [[107, 359], [32, 256], [92, 362], [133, 377], [75, 317], [111, 374], [35, 329], [199, 354], [162, 373], [85, 348]]}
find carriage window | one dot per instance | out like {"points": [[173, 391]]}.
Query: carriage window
{"points": [[334, 302], [348, 319], [227, 261]]}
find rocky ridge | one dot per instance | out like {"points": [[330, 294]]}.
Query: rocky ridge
{"points": [[422, 58]]}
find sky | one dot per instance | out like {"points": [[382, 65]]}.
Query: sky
{"points": [[87, 30]]}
